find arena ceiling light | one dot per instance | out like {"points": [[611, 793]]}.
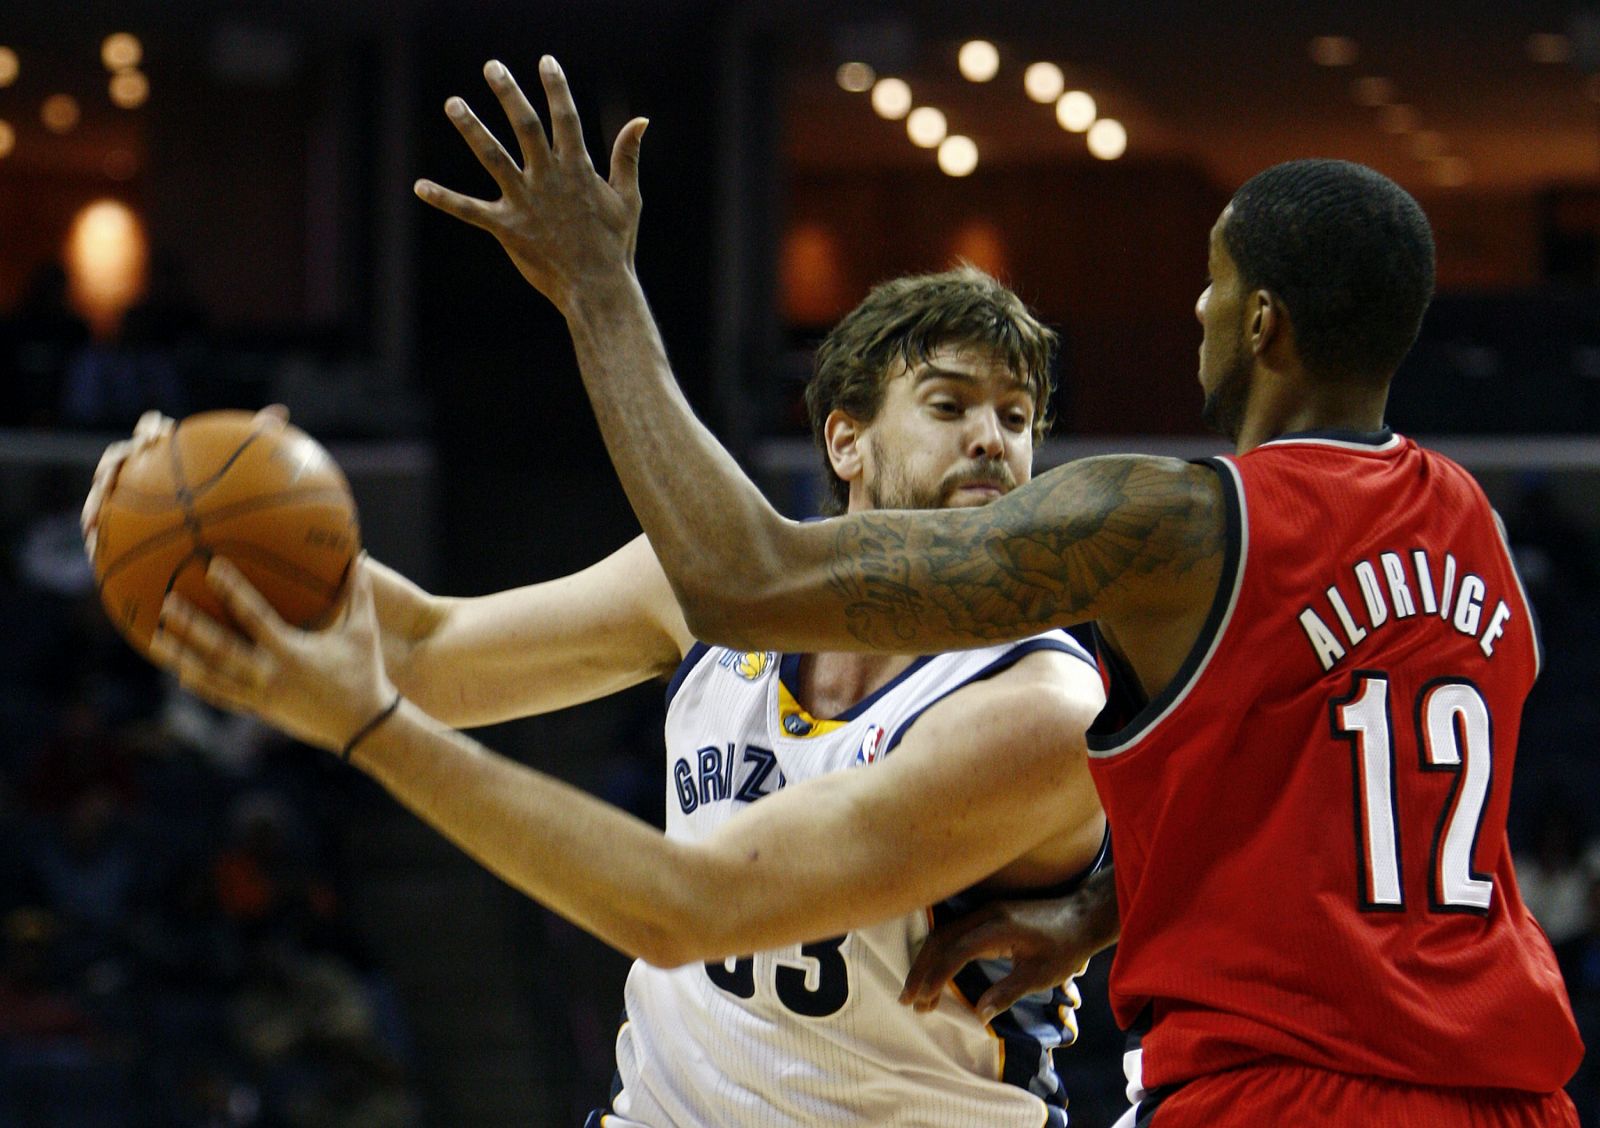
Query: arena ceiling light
{"points": [[855, 77], [926, 127], [891, 98], [1334, 51], [1044, 82], [1075, 111], [1374, 90], [1107, 139], [121, 50], [978, 60], [958, 155]]}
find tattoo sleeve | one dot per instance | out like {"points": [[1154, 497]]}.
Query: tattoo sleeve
{"points": [[1063, 549]]}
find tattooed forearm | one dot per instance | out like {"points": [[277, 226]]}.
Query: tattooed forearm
{"points": [[1058, 551]]}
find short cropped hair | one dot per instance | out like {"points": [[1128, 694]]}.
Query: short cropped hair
{"points": [[906, 319], [1349, 253]]}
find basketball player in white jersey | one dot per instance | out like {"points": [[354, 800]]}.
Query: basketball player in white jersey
{"points": [[823, 810]]}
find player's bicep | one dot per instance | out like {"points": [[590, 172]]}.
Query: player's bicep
{"points": [[1092, 538]]}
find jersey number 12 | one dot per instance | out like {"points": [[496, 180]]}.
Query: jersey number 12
{"points": [[1454, 734]]}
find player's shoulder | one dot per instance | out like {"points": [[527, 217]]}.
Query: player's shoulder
{"points": [[1043, 664]]}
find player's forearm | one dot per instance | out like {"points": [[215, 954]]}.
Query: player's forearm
{"points": [[599, 867], [1099, 925], [532, 649], [725, 549]]}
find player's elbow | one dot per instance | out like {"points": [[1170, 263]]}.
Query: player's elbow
{"points": [[720, 620], [664, 947], [740, 611]]}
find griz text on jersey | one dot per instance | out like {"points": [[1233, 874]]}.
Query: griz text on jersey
{"points": [[718, 772]]}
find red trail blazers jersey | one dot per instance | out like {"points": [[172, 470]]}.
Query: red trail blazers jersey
{"points": [[1309, 823]]}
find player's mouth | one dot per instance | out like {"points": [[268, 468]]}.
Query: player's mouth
{"points": [[976, 492]]}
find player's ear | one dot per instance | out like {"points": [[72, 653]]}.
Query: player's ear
{"points": [[1267, 317], [842, 434]]}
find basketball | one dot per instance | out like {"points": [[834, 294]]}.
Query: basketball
{"points": [[267, 497]]}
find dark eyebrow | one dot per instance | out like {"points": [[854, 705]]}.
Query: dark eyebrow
{"points": [[933, 372]]}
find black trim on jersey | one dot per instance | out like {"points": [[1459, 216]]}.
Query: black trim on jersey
{"points": [[1436, 901], [789, 675], [1004, 662], [975, 898], [1365, 438], [1533, 623], [1227, 584], [1504, 535], [1359, 679], [690, 660], [1125, 698], [1150, 1105]]}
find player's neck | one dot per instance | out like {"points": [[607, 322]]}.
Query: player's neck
{"points": [[1292, 407], [831, 683]]}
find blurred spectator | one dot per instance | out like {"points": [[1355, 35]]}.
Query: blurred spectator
{"points": [[1553, 877], [36, 347], [56, 1071], [1582, 967], [310, 1030], [265, 878]]}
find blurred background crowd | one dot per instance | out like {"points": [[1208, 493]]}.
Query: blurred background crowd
{"points": [[204, 924]]}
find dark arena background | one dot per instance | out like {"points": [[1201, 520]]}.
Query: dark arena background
{"points": [[208, 204]]}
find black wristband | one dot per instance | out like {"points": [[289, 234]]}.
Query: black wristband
{"points": [[367, 729]]}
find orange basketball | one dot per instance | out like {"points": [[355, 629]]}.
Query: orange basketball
{"points": [[269, 499]]}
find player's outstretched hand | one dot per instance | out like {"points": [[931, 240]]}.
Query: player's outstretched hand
{"points": [[152, 426], [321, 687], [1048, 942], [561, 223]]}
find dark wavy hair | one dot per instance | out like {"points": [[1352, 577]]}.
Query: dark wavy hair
{"points": [[906, 319], [1349, 253]]}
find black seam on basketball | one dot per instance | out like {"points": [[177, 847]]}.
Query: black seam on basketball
{"points": [[145, 547], [305, 494], [288, 570], [202, 486], [195, 524], [141, 500], [180, 486], [172, 581]]}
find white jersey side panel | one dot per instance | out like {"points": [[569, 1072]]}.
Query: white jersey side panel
{"points": [[814, 1035]]}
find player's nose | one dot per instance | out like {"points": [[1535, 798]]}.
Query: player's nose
{"points": [[987, 438]]}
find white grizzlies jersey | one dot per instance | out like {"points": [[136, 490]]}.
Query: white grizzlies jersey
{"points": [[814, 1034]]}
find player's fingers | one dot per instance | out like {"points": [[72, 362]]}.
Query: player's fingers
{"points": [[490, 153], [1025, 978], [947, 950], [195, 675], [524, 119], [566, 131], [245, 604], [187, 632], [625, 159], [274, 417], [104, 475], [150, 427], [467, 209]]}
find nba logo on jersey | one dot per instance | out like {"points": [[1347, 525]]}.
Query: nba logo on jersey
{"points": [[871, 745], [749, 665]]}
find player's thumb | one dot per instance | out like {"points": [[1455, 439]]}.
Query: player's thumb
{"points": [[625, 158]]}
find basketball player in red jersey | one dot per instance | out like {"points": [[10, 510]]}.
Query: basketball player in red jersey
{"points": [[1323, 635]]}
